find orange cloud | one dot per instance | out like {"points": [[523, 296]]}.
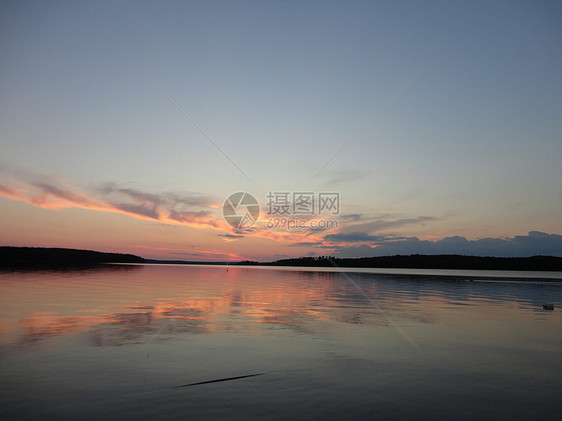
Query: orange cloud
{"points": [[139, 205], [11, 193], [191, 210]]}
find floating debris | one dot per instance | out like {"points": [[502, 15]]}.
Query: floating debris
{"points": [[226, 379], [548, 306]]}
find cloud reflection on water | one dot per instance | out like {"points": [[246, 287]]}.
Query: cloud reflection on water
{"points": [[134, 305]]}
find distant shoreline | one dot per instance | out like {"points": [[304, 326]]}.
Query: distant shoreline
{"points": [[420, 261], [45, 258], [15, 258], [415, 261]]}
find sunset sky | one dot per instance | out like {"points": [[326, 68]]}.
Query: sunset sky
{"points": [[126, 125]]}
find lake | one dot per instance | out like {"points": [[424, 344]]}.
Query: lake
{"points": [[149, 341]]}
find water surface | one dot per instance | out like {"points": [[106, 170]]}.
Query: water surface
{"points": [[116, 343]]}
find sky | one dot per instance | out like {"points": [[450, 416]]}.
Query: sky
{"points": [[125, 126]]}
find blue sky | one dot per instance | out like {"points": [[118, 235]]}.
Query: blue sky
{"points": [[466, 141]]}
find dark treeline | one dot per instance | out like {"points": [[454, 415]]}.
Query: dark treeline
{"points": [[420, 261], [40, 258]]}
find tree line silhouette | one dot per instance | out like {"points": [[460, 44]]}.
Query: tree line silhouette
{"points": [[38, 257], [421, 261]]}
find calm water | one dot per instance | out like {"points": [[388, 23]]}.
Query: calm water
{"points": [[115, 343]]}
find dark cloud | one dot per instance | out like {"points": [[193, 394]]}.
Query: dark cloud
{"points": [[46, 189], [355, 251], [535, 243], [307, 244], [149, 211], [136, 195], [165, 199], [233, 236]]}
